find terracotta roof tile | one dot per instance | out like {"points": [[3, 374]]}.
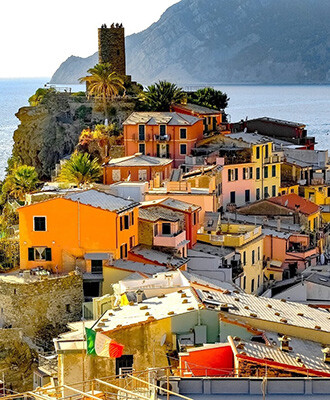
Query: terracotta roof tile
{"points": [[292, 200]]}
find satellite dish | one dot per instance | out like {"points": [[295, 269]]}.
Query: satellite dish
{"points": [[163, 340], [286, 203]]}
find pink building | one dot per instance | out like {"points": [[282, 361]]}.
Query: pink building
{"points": [[238, 184]]}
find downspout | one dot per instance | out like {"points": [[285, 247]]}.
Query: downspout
{"points": [[78, 224], [262, 172]]}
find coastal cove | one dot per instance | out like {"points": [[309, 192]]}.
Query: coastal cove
{"points": [[308, 104]]}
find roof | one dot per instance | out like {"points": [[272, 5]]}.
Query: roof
{"points": [[279, 122], [154, 308], [156, 213], [147, 269], [198, 109], [292, 200], [102, 200], [157, 118], [138, 160], [211, 220], [319, 279], [220, 251], [266, 309], [174, 204], [304, 354], [158, 257], [195, 278], [251, 138]]}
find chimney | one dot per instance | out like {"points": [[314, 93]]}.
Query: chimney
{"points": [[278, 224], [139, 296], [285, 341], [326, 355], [224, 307], [26, 275]]}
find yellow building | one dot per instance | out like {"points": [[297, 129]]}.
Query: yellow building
{"points": [[267, 163], [318, 194], [247, 240]]}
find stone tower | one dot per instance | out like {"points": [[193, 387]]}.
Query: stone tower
{"points": [[112, 47]]}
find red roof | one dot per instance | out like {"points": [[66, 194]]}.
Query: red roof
{"points": [[295, 202]]}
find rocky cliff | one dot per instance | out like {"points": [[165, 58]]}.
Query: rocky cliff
{"points": [[50, 131], [227, 41]]}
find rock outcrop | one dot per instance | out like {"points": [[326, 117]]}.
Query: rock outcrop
{"points": [[227, 41]]}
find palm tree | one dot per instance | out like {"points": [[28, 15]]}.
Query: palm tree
{"points": [[162, 95], [103, 83], [22, 180], [80, 169]]}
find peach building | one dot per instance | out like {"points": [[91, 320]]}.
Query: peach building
{"points": [[134, 168], [85, 230], [162, 134], [211, 118]]}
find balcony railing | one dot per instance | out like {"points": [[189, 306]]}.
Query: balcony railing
{"points": [[141, 138], [162, 138], [170, 240], [273, 159]]}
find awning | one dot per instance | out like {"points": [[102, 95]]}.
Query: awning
{"points": [[97, 256]]}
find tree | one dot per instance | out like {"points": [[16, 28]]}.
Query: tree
{"points": [[22, 180], [103, 83], [80, 169], [39, 95], [160, 96], [209, 97]]}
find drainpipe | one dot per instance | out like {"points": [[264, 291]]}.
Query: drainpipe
{"points": [[262, 172], [78, 225]]}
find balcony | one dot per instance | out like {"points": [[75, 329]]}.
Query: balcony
{"points": [[302, 252], [162, 138], [273, 159], [141, 138], [172, 240]]}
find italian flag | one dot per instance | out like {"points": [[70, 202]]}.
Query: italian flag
{"points": [[101, 345]]}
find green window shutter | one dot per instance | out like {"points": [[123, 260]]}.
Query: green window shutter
{"points": [[31, 254], [48, 254]]}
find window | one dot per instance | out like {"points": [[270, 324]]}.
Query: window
{"points": [[258, 280], [258, 173], [116, 175], [266, 194], [142, 130], [195, 218], [166, 228], [252, 285], [251, 173], [39, 224], [265, 172], [236, 174], [253, 257], [183, 149], [68, 308], [142, 174], [126, 221], [244, 257], [258, 152], [132, 218], [162, 130], [123, 251], [245, 173], [40, 254], [118, 52], [233, 197], [244, 282], [266, 151], [257, 194], [247, 195], [183, 133], [96, 266], [258, 254], [274, 190], [229, 175], [271, 277], [124, 365], [142, 148], [131, 242], [273, 171]]}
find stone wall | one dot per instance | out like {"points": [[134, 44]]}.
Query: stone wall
{"points": [[40, 305], [17, 360]]}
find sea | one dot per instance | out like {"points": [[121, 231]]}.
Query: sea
{"points": [[308, 104]]}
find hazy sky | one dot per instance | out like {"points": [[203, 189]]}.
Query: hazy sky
{"points": [[37, 35]]}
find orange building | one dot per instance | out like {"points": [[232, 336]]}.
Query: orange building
{"points": [[84, 229], [211, 118], [137, 167], [162, 134]]}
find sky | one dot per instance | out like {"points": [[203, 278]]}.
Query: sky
{"points": [[36, 36]]}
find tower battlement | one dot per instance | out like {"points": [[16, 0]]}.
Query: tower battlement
{"points": [[112, 47]]}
